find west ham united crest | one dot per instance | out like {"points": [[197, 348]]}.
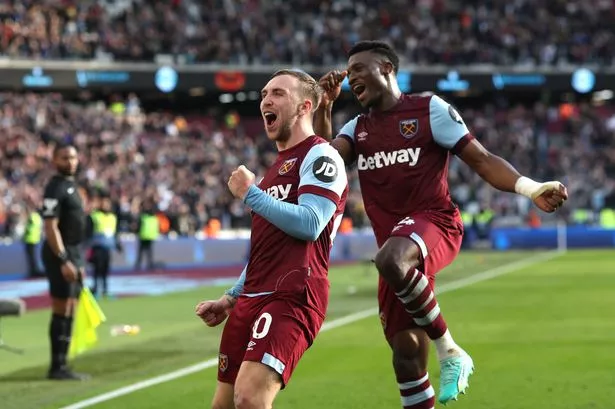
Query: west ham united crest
{"points": [[287, 165], [409, 127], [222, 362]]}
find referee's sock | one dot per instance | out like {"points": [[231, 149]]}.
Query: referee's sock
{"points": [[59, 336]]}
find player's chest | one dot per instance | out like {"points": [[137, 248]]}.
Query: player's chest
{"points": [[282, 180], [399, 140]]}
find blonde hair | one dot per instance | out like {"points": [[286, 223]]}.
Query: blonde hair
{"points": [[308, 86]]}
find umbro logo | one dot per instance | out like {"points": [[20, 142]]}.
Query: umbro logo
{"points": [[362, 136], [251, 345]]}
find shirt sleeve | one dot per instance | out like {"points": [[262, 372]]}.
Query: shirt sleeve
{"points": [[52, 201], [348, 130], [447, 126], [237, 288], [323, 173], [304, 221]]}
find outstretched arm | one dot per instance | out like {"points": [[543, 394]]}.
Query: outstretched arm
{"points": [[502, 175], [450, 132]]}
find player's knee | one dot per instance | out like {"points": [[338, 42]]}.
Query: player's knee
{"points": [[248, 398], [222, 405], [396, 258]]}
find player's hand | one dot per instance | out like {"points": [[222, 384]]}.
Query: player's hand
{"points": [[69, 272], [331, 83], [550, 196], [214, 312], [240, 181]]}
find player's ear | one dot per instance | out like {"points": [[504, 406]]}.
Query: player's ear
{"points": [[305, 108], [386, 68]]}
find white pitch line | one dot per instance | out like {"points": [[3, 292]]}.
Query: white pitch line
{"points": [[336, 323]]}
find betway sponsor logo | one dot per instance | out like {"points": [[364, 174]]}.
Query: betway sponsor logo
{"points": [[383, 159], [279, 192]]}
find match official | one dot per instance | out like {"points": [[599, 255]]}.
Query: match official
{"points": [[65, 220]]}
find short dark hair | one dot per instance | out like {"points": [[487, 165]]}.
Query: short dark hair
{"points": [[62, 145], [378, 47], [308, 85]]}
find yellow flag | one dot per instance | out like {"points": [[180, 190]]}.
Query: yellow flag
{"points": [[87, 318]]}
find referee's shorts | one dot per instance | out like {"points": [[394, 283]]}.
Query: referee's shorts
{"points": [[58, 286]]}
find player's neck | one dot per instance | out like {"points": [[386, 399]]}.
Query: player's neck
{"points": [[299, 133], [389, 99]]}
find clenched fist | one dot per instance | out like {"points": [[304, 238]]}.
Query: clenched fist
{"points": [[550, 196], [240, 181], [331, 83], [214, 312]]}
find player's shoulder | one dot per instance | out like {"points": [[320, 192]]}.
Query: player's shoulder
{"points": [[322, 148], [416, 101]]}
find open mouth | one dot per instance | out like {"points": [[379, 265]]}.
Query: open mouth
{"points": [[270, 118], [358, 90]]}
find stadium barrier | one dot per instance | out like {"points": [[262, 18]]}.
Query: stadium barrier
{"points": [[98, 75], [187, 252]]}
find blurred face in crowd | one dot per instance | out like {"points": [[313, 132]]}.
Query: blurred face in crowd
{"points": [[368, 77], [282, 105], [66, 161], [106, 205]]}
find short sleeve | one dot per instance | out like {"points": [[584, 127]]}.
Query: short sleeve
{"points": [[447, 126], [52, 201], [348, 129], [323, 173]]}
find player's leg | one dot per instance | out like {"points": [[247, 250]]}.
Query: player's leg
{"points": [[257, 386], [410, 352], [410, 347], [284, 329], [223, 397], [235, 337], [417, 251], [397, 263]]}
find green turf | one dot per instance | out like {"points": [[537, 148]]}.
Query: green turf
{"points": [[540, 337]]}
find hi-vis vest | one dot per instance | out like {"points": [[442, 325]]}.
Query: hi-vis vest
{"points": [[149, 227], [105, 225], [34, 229], [607, 218]]}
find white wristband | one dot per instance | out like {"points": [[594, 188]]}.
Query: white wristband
{"points": [[526, 186]]}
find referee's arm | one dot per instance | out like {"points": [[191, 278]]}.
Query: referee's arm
{"points": [[52, 205]]}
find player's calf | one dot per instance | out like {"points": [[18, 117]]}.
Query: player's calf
{"points": [[256, 387], [223, 397], [410, 352]]}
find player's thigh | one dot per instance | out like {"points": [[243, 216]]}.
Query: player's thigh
{"points": [[235, 337], [223, 397], [435, 245], [283, 330], [257, 385]]}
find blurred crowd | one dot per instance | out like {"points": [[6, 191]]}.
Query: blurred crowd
{"points": [[534, 32], [182, 163]]}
